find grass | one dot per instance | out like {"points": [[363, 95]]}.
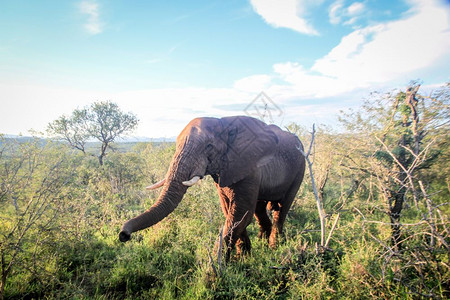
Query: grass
{"points": [[75, 253], [170, 261]]}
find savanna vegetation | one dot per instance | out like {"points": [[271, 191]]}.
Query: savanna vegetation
{"points": [[382, 185]]}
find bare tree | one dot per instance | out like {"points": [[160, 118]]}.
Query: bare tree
{"points": [[323, 153], [316, 194]]}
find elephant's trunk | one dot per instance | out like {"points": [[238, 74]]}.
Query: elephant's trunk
{"points": [[171, 195]]}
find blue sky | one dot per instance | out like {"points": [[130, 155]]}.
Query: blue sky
{"points": [[171, 61]]}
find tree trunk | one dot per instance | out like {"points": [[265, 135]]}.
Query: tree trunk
{"points": [[412, 102], [397, 197], [102, 153], [395, 213], [4, 275]]}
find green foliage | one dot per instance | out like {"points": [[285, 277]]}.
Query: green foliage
{"points": [[403, 149], [103, 121], [60, 216], [34, 183]]}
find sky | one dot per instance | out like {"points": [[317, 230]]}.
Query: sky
{"points": [[171, 61]]}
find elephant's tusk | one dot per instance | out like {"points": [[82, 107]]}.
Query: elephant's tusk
{"points": [[156, 185], [191, 182]]}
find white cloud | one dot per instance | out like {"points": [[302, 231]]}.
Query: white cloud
{"points": [[93, 24], [337, 12], [379, 56], [385, 54], [334, 12], [284, 13], [303, 83], [355, 8], [254, 83], [162, 112], [28, 106]]}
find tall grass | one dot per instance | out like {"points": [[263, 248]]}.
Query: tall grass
{"points": [[78, 255]]}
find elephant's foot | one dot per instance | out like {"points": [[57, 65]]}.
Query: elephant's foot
{"points": [[243, 247], [273, 238], [273, 243], [264, 233]]}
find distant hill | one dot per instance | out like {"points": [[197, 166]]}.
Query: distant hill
{"points": [[141, 139], [17, 137], [129, 139]]}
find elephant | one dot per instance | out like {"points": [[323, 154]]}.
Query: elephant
{"points": [[256, 167]]}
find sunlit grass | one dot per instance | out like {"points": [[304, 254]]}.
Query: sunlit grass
{"points": [[75, 253]]}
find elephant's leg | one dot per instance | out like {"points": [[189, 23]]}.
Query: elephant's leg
{"points": [[279, 213], [239, 217], [265, 225], [279, 217], [243, 197], [243, 245], [225, 205], [234, 228]]}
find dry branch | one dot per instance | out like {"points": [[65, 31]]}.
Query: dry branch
{"points": [[316, 195]]}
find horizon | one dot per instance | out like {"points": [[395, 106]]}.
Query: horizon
{"points": [[171, 63]]}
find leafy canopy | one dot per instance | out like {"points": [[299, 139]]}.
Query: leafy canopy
{"points": [[103, 121]]}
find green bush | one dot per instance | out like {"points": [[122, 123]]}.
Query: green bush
{"points": [[68, 210]]}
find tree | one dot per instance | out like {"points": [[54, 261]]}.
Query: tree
{"points": [[103, 121], [399, 153], [400, 133]]}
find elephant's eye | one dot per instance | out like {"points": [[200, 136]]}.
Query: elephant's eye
{"points": [[209, 147]]}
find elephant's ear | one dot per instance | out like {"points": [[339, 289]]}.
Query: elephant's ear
{"points": [[250, 143]]}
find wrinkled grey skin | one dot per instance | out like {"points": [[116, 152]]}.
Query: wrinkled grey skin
{"points": [[256, 167]]}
